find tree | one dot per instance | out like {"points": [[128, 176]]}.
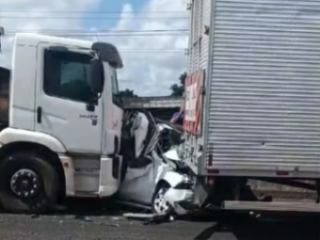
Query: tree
{"points": [[127, 93], [178, 89]]}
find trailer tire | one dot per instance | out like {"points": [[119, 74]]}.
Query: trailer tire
{"points": [[28, 183]]}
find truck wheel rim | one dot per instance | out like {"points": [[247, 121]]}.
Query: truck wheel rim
{"points": [[25, 183], [161, 206]]}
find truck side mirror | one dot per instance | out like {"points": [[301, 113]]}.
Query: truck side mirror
{"points": [[97, 76]]}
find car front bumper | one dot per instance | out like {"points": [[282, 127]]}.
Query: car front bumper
{"points": [[180, 199]]}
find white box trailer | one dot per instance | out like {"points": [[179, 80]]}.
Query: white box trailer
{"points": [[253, 96]]}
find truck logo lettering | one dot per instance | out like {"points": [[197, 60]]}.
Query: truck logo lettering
{"points": [[88, 116]]}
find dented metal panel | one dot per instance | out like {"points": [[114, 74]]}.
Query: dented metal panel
{"points": [[264, 106], [199, 55], [195, 35], [199, 40], [206, 7]]}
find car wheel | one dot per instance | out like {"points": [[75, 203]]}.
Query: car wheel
{"points": [[28, 183], [159, 205]]}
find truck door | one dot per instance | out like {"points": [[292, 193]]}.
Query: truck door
{"points": [[65, 106]]}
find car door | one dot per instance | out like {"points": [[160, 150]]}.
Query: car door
{"points": [[139, 183], [63, 99]]}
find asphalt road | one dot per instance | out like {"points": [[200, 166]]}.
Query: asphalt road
{"points": [[112, 226]]}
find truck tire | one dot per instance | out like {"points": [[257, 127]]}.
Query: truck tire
{"points": [[28, 183]]}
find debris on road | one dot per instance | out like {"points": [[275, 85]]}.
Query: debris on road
{"points": [[138, 216], [113, 225], [83, 218], [150, 219], [116, 225]]}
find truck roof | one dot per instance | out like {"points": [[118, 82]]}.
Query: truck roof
{"points": [[32, 39], [108, 52]]}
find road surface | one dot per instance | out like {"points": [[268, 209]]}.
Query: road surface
{"points": [[69, 227], [110, 225]]}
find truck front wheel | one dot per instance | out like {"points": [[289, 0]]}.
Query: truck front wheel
{"points": [[28, 183]]}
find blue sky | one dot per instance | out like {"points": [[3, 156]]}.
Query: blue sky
{"points": [[112, 6], [146, 71], [152, 62]]}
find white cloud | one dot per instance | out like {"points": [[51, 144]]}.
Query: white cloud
{"points": [[17, 15], [147, 72], [150, 72]]}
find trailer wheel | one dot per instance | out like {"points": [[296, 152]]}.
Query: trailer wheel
{"points": [[28, 183], [159, 204]]}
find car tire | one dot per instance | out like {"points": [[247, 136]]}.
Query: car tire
{"points": [[159, 205], [28, 183]]}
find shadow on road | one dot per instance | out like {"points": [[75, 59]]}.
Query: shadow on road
{"points": [[95, 207], [89, 207], [240, 226], [294, 227]]}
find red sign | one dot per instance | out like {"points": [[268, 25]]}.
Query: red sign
{"points": [[193, 102]]}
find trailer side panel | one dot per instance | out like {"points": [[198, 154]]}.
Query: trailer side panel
{"points": [[264, 106]]}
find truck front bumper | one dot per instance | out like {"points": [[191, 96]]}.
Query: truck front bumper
{"points": [[104, 183], [110, 176]]}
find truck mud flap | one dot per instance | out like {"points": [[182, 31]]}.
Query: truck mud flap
{"points": [[116, 164]]}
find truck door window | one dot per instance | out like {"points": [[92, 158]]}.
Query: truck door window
{"points": [[67, 75]]}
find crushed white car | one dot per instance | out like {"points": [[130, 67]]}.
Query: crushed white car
{"points": [[160, 181]]}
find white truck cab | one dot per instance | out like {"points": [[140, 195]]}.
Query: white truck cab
{"points": [[65, 123]]}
